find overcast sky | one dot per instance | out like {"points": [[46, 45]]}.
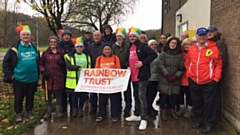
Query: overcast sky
{"points": [[147, 14]]}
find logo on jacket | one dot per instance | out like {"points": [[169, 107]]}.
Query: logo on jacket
{"points": [[209, 52]]}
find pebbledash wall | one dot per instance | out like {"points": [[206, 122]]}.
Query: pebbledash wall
{"points": [[225, 15]]}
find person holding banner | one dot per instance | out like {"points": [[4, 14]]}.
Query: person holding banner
{"points": [[121, 49], [75, 61], [108, 60], [95, 50], [52, 67], [140, 57]]}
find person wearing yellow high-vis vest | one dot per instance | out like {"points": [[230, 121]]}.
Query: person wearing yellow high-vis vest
{"points": [[75, 61]]}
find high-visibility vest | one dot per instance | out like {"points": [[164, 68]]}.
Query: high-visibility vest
{"points": [[71, 77]]}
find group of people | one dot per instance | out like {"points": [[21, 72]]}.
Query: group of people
{"points": [[174, 67]]}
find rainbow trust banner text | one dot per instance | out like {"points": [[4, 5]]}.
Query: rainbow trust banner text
{"points": [[103, 80]]}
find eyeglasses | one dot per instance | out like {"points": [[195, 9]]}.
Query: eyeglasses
{"points": [[79, 46]]}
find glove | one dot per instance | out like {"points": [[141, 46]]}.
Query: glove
{"points": [[174, 78], [45, 75], [169, 78], [61, 62]]}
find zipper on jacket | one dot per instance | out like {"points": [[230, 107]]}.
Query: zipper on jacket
{"points": [[199, 53]]}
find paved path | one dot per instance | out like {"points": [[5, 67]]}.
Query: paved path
{"points": [[88, 126]]}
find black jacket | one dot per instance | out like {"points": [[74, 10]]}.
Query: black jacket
{"points": [[10, 61], [146, 55], [95, 50]]}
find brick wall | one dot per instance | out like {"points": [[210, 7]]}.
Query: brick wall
{"points": [[226, 16], [169, 9]]}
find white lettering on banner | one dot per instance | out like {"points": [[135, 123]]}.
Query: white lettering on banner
{"points": [[103, 80]]}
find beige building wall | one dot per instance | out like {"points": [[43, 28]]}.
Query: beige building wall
{"points": [[195, 14]]}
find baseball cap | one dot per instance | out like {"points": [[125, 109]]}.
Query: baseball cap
{"points": [[212, 28], [202, 31]]}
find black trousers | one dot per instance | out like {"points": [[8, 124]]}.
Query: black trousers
{"points": [[168, 100], [185, 90], [93, 100], [114, 99], [151, 94], [219, 101], [66, 98], [22, 90], [204, 101]]}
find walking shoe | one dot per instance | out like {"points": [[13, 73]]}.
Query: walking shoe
{"points": [[188, 114], [19, 117], [180, 112], [142, 125], [133, 118], [30, 115], [59, 114], [99, 119], [115, 119], [75, 113], [47, 115], [80, 113]]}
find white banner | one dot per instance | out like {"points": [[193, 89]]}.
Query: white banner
{"points": [[103, 80]]}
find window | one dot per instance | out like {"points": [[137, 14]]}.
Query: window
{"points": [[182, 27]]}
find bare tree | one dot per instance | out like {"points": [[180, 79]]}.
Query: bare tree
{"points": [[97, 13], [56, 12]]}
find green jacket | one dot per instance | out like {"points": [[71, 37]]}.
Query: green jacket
{"points": [[122, 52], [170, 63]]}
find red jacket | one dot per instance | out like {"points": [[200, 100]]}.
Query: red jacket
{"points": [[184, 79], [205, 65]]}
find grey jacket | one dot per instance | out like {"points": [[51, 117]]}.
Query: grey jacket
{"points": [[154, 69], [170, 63]]}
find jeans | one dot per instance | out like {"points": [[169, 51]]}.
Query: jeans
{"points": [[77, 99], [58, 96], [164, 100], [139, 92]]}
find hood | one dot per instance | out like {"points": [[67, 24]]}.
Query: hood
{"points": [[107, 26]]}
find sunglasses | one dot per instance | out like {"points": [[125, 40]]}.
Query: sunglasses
{"points": [[79, 46]]}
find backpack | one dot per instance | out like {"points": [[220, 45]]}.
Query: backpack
{"points": [[114, 57]]}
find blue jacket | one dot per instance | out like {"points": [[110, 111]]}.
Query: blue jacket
{"points": [[10, 61]]}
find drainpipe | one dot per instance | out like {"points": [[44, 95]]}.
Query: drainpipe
{"points": [[163, 10]]}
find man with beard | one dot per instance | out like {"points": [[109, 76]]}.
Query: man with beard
{"points": [[88, 39]]}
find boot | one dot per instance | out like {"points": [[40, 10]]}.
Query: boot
{"points": [[174, 115], [75, 113], [80, 113], [163, 115]]}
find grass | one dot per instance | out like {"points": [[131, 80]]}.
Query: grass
{"points": [[41, 48], [8, 126]]}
